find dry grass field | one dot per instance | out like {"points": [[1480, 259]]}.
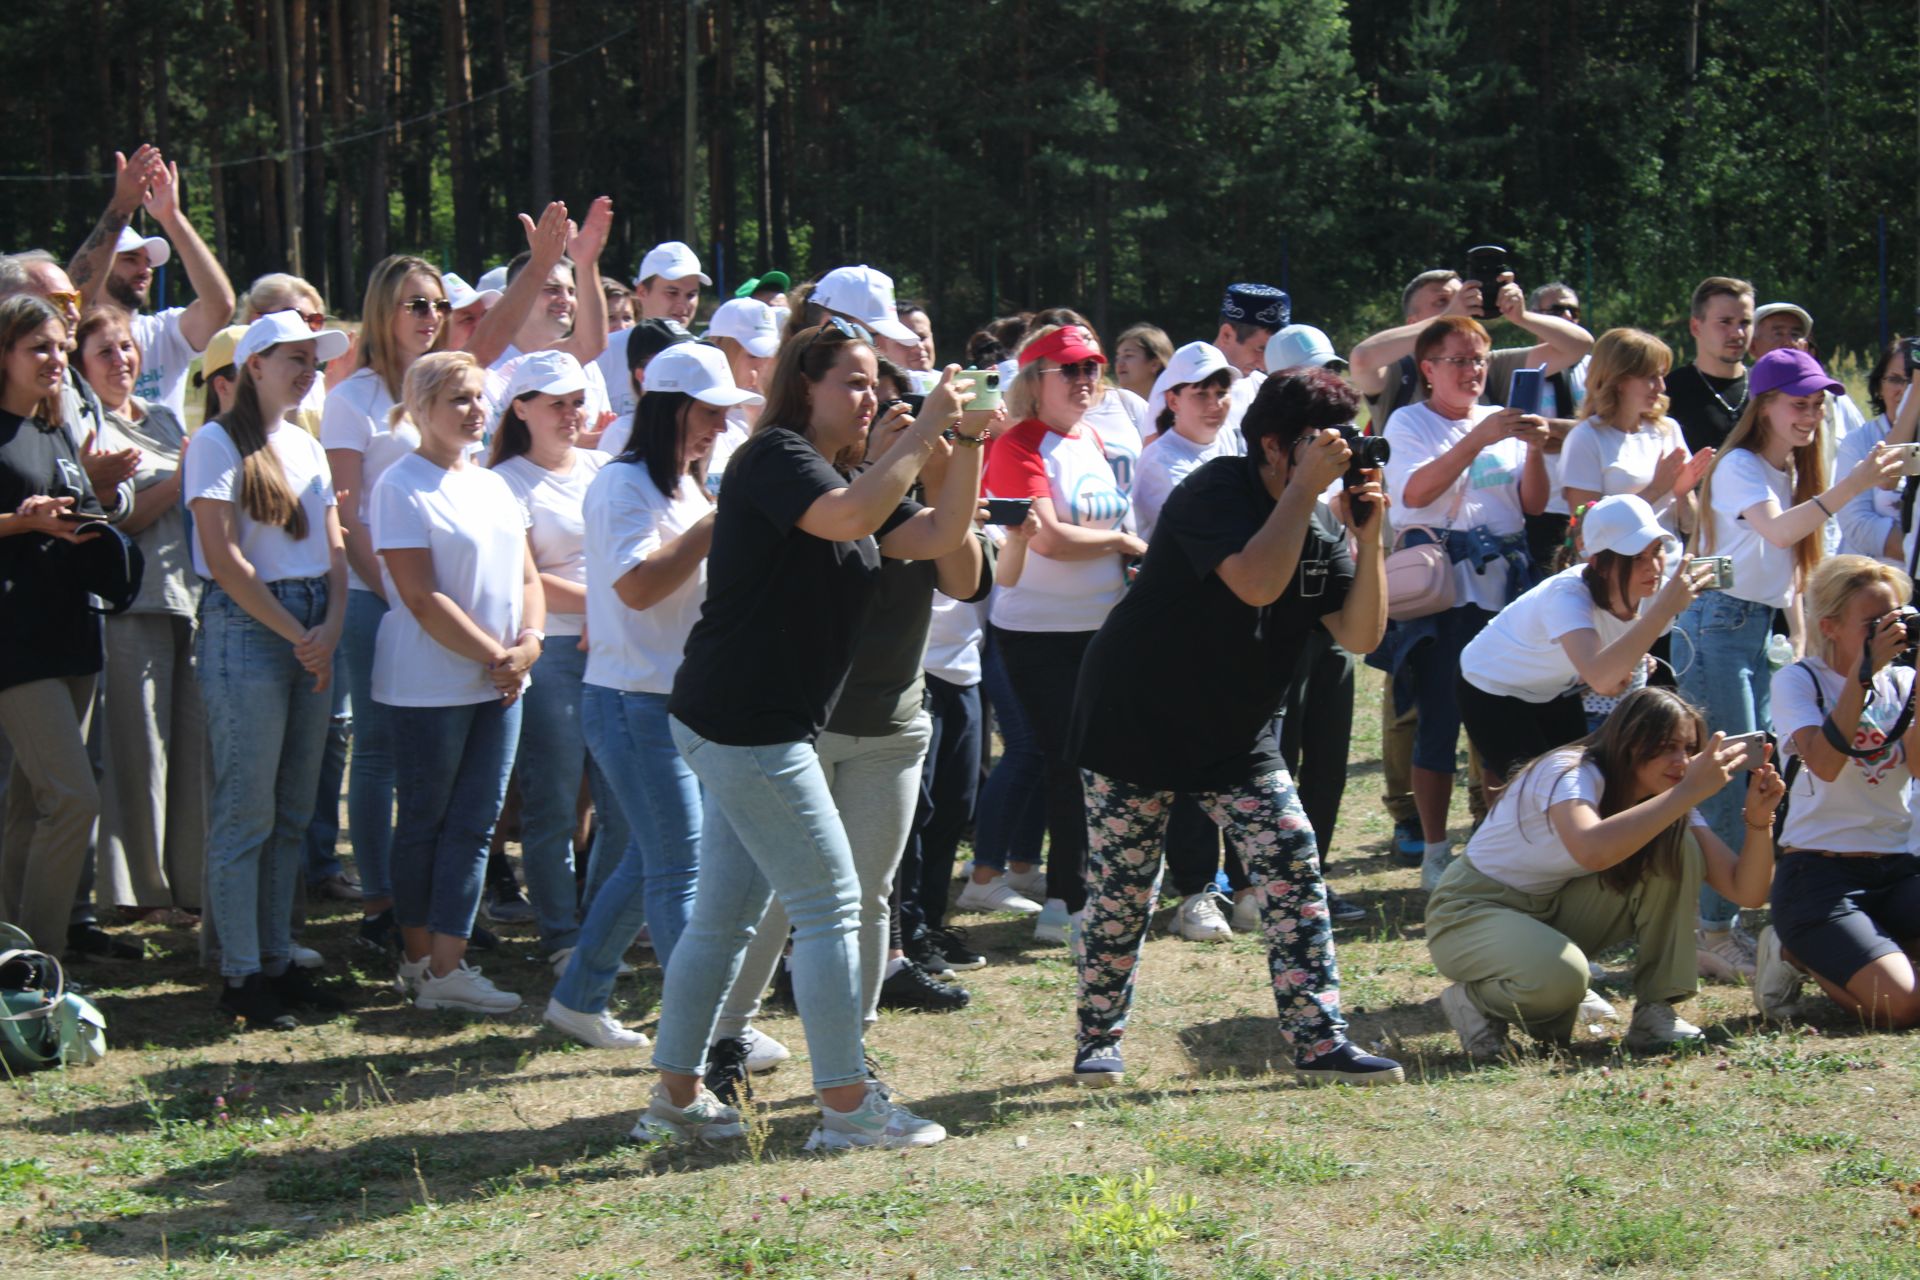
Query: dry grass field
{"points": [[394, 1143]]}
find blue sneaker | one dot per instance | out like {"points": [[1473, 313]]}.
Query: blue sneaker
{"points": [[1098, 1066], [1347, 1065], [1409, 843]]}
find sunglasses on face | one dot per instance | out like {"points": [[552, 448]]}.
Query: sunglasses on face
{"points": [[1567, 309], [1083, 371], [65, 299], [419, 307]]}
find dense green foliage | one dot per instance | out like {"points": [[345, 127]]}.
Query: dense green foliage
{"points": [[1127, 156]]}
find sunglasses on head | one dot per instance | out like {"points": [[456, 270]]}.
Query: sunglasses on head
{"points": [[316, 320], [851, 331], [422, 307]]}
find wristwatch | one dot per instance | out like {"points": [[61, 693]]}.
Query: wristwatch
{"points": [[535, 632]]}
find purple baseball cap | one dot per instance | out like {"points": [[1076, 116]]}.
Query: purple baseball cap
{"points": [[1790, 370]]}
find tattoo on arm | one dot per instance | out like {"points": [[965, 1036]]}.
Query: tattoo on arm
{"points": [[87, 260]]}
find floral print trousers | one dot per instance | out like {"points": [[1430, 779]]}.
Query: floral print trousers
{"points": [[1266, 826]]}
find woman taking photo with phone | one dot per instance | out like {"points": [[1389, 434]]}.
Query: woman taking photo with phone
{"points": [[265, 531], [797, 542], [1590, 626], [1591, 845], [1846, 895], [1873, 523], [450, 667], [1626, 444], [1764, 503]]}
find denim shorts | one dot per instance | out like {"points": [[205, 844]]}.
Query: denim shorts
{"points": [[1838, 915]]}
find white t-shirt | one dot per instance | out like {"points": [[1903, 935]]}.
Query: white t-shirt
{"points": [[627, 520], [165, 354], [500, 377], [1762, 572], [611, 365], [739, 427], [954, 639], [1120, 417], [553, 501], [1519, 654], [1030, 461], [613, 441], [1865, 809], [355, 417], [1418, 436], [213, 471], [476, 530], [1867, 518], [1607, 460], [1163, 465], [1517, 845]]}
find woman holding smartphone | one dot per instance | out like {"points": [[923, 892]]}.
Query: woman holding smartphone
{"points": [[266, 532], [1626, 443], [1764, 503]]}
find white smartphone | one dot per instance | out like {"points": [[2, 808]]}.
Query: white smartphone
{"points": [[1756, 745]]}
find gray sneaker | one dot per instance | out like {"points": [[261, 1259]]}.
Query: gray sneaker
{"points": [[1484, 1038], [877, 1122], [1776, 983], [705, 1119]]}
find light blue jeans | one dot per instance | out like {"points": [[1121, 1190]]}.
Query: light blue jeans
{"points": [[370, 768], [770, 827], [658, 799], [1720, 653], [267, 732], [552, 744], [452, 780], [323, 832]]}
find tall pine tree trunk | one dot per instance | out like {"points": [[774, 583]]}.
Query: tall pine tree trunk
{"points": [[541, 102]]}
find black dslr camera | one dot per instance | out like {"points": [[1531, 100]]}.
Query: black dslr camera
{"points": [[1370, 453]]}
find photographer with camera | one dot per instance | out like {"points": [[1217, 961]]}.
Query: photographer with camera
{"points": [[1465, 474], [1763, 504], [1846, 893], [1246, 563], [1587, 627]]}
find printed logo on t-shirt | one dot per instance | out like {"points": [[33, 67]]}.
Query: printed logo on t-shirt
{"points": [[70, 475], [1122, 460], [1490, 472], [1874, 723], [148, 385], [1096, 502]]}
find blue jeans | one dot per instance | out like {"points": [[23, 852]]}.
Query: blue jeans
{"points": [[770, 827], [454, 766], [556, 753], [1012, 817], [323, 832], [1435, 667], [267, 732], [1720, 654], [370, 769], [658, 799]]}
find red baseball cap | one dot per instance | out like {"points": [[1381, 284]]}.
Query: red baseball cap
{"points": [[1068, 344]]}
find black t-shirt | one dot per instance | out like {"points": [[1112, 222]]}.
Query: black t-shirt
{"points": [[1706, 407], [46, 629], [1179, 687], [767, 659]]}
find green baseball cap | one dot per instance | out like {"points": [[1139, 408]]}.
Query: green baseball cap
{"points": [[771, 280]]}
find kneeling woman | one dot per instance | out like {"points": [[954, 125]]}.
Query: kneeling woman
{"points": [[1243, 564], [1591, 845], [1592, 625], [1846, 896]]}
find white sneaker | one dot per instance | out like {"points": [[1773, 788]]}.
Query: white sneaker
{"points": [[595, 1030], [1595, 1007], [705, 1119], [562, 959], [1199, 919], [1053, 922], [1724, 954], [1031, 883], [1433, 867], [407, 981], [877, 1122], [464, 989], [764, 1053], [1246, 912], [1656, 1027], [1776, 983], [1484, 1038], [996, 896], [305, 957]]}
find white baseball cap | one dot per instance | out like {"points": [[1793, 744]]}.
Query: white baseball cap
{"points": [[546, 373], [1195, 362], [158, 250], [1623, 523], [277, 327], [866, 295], [463, 295], [672, 260], [749, 322], [698, 370], [1302, 344]]}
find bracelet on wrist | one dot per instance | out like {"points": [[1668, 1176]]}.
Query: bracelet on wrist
{"points": [[956, 436], [1757, 826], [1823, 506]]}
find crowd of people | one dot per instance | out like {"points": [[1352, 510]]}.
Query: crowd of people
{"points": [[719, 628]]}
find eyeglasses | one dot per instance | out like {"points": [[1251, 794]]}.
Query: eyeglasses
{"points": [[846, 328], [1567, 309], [316, 320], [66, 299], [1476, 363], [1083, 371], [420, 307]]}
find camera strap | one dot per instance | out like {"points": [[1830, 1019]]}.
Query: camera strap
{"points": [[1831, 732]]}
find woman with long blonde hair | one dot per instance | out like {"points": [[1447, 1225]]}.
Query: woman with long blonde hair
{"points": [[1626, 443]]}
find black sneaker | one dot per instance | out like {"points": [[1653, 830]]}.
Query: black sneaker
{"points": [[726, 1077], [921, 951], [298, 989], [379, 933], [1348, 1065], [508, 906], [1098, 1065], [952, 945], [90, 942], [256, 1005], [912, 987], [1344, 910], [482, 938]]}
